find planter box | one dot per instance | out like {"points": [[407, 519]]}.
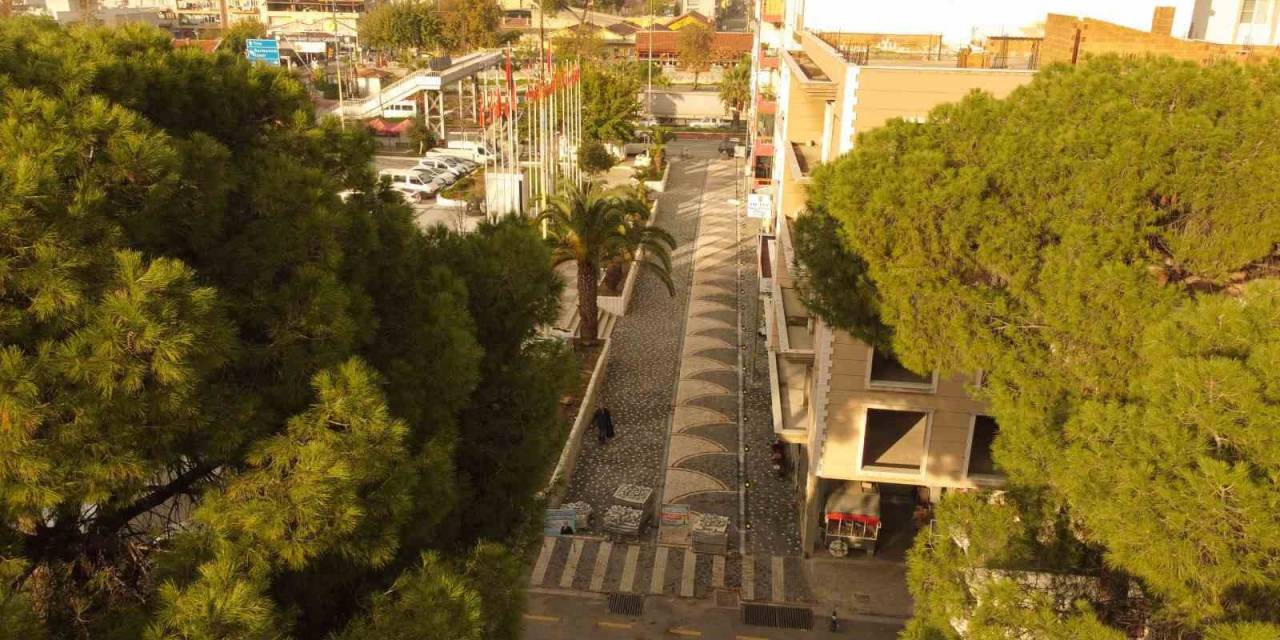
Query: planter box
{"points": [[659, 185], [619, 304], [442, 201]]}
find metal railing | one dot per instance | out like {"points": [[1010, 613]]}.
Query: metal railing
{"points": [[1000, 52]]}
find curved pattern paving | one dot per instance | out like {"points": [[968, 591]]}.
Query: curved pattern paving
{"points": [[702, 455]]}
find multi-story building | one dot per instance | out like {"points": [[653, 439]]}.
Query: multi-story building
{"points": [[850, 413], [1243, 22]]}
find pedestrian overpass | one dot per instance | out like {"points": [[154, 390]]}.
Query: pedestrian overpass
{"points": [[460, 74]]}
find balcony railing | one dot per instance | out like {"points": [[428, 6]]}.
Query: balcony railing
{"points": [[924, 50], [766, 105]]}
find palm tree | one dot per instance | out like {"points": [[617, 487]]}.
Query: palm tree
{"points": [[595, 228], [658, 138], [735, 87]]}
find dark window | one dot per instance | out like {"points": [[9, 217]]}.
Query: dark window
{"points": [[886, 370], [984, 434], [894, 439]]}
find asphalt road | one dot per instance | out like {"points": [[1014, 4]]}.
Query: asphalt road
{"points": [[580, 616]]}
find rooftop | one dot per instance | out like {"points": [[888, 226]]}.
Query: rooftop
{"points": [[928, 50]]}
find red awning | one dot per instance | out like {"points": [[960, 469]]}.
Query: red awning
{"points": [[870, 521]]}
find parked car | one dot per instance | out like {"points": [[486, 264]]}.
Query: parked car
{"points": [[707, 123], [728, 147], [408, 180], [438, 163], [453, 161], [445, 178]]}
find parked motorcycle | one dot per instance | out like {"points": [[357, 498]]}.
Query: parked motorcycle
{"points": [[778, 456]]}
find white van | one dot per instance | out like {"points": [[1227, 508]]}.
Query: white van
{"points": [[411, 180], [474, 151], [400, 109]]}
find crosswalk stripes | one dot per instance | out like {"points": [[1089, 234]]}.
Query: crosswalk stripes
{"points": [[777, 581], [687, 572], [602, 566], [596, 570], [544, 558], [629, 569], [659, 575], [571, 565]]}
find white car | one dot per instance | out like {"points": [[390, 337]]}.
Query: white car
{"points": [[643, 160], [410, 181], [445, 178], [452, 161], [707, 123], [436, 164]]}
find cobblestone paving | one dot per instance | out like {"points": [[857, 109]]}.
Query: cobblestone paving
{"points": [[640, 383], [772, 502], [702, 459], [678, 394]]}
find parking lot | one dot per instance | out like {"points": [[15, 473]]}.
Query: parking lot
{"points": [[427, 213]]}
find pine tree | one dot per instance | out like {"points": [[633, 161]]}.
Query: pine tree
{"points": [[1102, 245]]}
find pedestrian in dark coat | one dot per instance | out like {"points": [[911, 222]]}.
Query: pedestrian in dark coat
{"points": [[608, 422], [600, 420]]}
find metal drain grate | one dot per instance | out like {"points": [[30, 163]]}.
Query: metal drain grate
{"points": [[766, 615], [626, 604]]}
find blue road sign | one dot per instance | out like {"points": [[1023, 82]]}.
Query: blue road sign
{"points": [[263, 50]]}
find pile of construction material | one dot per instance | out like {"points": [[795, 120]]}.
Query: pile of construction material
{"points": [[582, 512], [623, 520], [710, 534], [630, 508], [633, 495]]}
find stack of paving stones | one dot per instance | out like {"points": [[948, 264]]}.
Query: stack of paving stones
{"points": [[623, 520], [582, 513], [633, 495], [711, 534]]}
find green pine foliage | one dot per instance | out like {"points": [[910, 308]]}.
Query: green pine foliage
{"points": [[610, 104], [232, 404], [1102, 244]]}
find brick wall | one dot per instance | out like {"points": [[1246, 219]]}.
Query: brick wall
{"points": [[1162, 21], [1069, 39]]}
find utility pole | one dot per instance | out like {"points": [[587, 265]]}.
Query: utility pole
{"points": [[337, 61], [648, 93]]}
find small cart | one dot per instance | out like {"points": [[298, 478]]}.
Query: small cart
{"points": [[852, 520]]}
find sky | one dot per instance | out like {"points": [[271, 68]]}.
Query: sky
{"points": [[956, 20]]}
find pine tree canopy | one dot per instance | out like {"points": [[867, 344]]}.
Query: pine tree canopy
{"points": [[1104, 245], [232, 404]]}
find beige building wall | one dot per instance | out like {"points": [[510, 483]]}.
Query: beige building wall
{"points": [[949, 408], [887, 92]]}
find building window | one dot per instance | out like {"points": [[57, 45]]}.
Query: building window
{"points": [[984, 434], [894, 440], [887, 372]]}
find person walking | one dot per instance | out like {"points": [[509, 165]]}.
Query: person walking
{"points": [[603, 424], [608, 422]]}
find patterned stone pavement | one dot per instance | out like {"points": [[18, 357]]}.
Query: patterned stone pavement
{"points": [[702, 457], [641, 378], [673, 388]]}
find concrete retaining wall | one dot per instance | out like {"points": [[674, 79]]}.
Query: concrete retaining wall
{"points": [[559, 481]]}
